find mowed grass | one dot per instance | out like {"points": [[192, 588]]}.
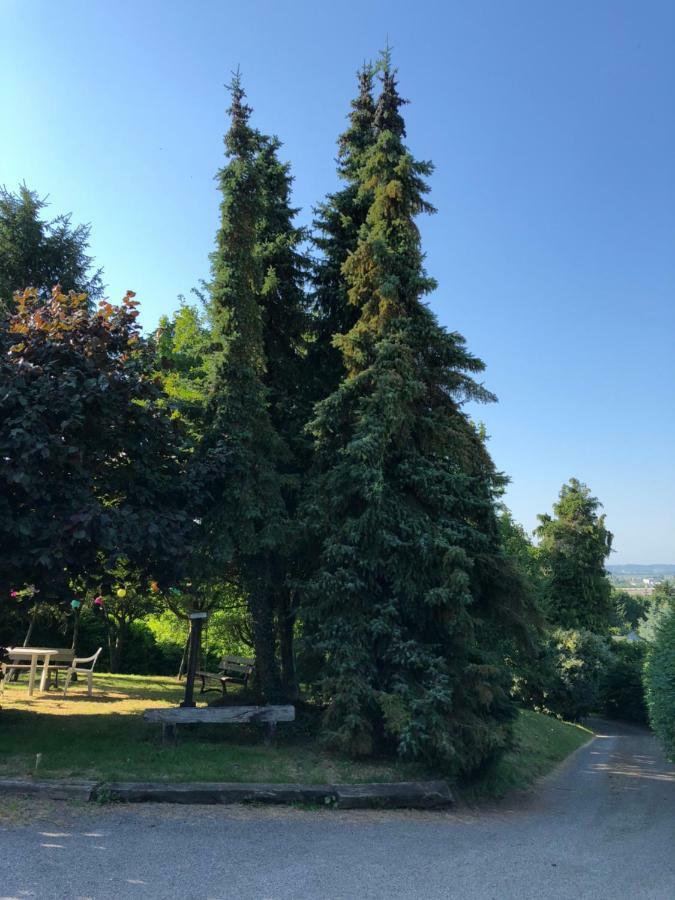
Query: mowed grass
{"points": [[104, 738], [540, 743]]}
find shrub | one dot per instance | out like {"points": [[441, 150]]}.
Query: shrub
{"points": [[567, 675], [660, 680], [623, 688]]}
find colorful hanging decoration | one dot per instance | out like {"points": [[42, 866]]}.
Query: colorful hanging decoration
{"points": [[98, 601], [75, 604], [121, 592], [154, 587]]}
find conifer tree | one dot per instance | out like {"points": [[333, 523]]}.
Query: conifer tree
{"points": [[255, 406], [337, 223], [574, 545], [41, 253], [285, 324], [401, 502]]}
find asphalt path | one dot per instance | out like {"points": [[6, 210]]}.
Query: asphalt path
{"points": [[602, 826]]}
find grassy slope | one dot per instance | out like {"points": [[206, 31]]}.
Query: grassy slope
{"points": [[104, 738], [540, 743]]}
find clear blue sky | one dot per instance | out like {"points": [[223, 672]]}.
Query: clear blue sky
{"points": [[552, 129]]}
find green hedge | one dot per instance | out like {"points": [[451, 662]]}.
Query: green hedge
{"points": [[660, 680], [624, 696]]}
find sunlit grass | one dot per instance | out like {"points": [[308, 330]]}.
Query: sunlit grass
{"points": [[104, 738]]}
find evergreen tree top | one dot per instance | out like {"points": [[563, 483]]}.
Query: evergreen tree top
{"points": [[359, 135], [239, 139], [387, 116]]}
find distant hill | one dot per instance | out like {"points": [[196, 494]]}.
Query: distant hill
{"points": [[657, 570]]}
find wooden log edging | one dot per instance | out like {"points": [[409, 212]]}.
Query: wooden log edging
{"points": [[52, 790], [390, 795]]}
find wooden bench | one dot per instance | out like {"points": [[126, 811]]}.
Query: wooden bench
{"points": [[61, 662], [219, 715], [18, 662], [232, 669]]}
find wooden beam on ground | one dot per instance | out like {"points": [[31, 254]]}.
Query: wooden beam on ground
{"points": [[220, 714]]}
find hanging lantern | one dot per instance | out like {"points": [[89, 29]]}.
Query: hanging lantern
{"points": [[154, 587], [98, 601], [121, 592], [75, 604]]}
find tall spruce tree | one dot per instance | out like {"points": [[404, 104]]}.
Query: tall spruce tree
{"points": [[401, 502], [257, 311], [337, 223], [285, 325], [573, 546]]}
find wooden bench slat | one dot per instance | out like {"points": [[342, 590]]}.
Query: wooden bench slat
{"points": [[220, 714]]}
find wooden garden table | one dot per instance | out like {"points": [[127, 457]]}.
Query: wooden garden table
{"points": [[16, 654]]}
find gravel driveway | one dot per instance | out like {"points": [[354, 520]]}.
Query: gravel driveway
{"points": [[603, 826]]}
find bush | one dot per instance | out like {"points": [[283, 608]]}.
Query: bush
{"points": [[567, 675], [660, 680], [623, 688]]}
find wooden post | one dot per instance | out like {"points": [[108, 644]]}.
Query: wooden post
{"points": [[196, 622]]}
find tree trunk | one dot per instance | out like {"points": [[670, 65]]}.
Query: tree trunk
{"points": [[286, 624], [261, 604], [76, 630], [183, 659], [26, 641], [111, 653], [118, 646], [31, 625]]}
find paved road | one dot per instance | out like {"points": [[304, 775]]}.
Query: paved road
{"points": [[602, 827]]}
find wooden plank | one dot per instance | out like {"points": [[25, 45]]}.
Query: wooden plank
{"points": [[237, 661], [220, 714]]}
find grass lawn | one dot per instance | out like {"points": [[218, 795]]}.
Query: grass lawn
{"points": [[104, 738]]}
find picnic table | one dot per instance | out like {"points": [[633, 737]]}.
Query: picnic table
{"points": [[33, 654]]}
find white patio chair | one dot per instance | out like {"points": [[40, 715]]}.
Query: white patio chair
{"points": [[80, 667]]}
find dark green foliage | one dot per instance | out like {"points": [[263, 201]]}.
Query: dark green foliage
{"points": [[40, 253], [568, 676], [573, 546], [660, 679], [255, 402], [337, 224], [519, 547], [401, 504], [628, 611], [91, 467], [623, 688]]}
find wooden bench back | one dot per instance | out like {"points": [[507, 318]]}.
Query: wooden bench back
{"points": [[239, 665], [22, 660], [62, 657]]}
